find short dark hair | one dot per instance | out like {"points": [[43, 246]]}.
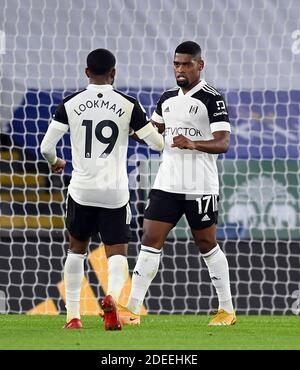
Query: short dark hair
{"points": [[189, 47], [100, 61]]}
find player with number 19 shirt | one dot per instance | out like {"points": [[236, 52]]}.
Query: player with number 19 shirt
{"points": [[100, 119]]}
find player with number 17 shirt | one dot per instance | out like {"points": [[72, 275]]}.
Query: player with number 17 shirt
{"points": [[194, 119]]}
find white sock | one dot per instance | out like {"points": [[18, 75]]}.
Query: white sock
{"points": [[73, 276], [117, 275], [217, 264], [144, 272]]}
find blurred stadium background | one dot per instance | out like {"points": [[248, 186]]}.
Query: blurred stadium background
{"points": [[252, 54]]}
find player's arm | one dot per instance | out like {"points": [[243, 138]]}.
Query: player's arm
{"points": [[160, 126], [157, 118], [219, 144], [134, 136], [57, 128], [143, 131], [149, 135], [219, 126]]}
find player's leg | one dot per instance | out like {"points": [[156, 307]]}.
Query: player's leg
{"points": [[145, 270], [73, 276], [117, 269], [79, 224], [202, 219], [217, 265], [114, 227], [162, 213], [117, 276]]}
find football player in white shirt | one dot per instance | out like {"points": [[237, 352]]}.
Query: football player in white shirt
{"points": [[196, 126], [99, 119]]}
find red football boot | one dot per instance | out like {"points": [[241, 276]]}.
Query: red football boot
{"points": [[111, 315], [73, 324]]}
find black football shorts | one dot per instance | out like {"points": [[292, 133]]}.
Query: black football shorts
{"points": [[201, 211], [113, 224]]}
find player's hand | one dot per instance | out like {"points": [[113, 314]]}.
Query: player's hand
{"points": [[58, 166], [182, 142]]}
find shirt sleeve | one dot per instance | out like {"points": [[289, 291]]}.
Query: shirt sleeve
{"points": [[218, 114], [60, 114], [139, 117], [157, 114], [55, 132]]}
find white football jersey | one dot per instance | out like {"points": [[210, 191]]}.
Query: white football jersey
{"points": [[99, 119], [197, 115]]}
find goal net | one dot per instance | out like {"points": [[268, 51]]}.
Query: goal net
{"points": [[252, 53]]}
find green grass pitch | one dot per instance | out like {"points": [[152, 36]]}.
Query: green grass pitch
{"points": [[164, 332]]}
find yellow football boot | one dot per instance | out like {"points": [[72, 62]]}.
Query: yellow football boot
{"points": [[223, 318], [127, 317]]}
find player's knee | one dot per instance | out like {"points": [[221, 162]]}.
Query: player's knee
{"points": [[205, 244], [116, 249], [78, 247], [152, 240]]}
